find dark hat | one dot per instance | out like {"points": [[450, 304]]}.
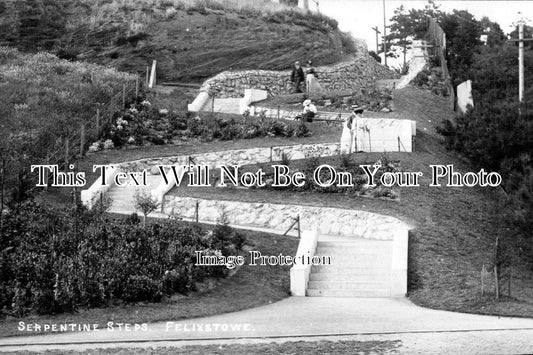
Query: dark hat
{"points": [[357, 110]]}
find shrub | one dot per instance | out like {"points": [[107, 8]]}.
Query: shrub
{"points": [[302, 130], [142, 288], [145, 203], [55, 259]]}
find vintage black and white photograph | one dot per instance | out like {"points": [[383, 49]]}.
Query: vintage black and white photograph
{"points": [[266, 177]]}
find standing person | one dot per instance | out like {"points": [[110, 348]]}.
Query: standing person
{"points": [[311, 77], [350, 127], [347, 136], [356, 115], [297, 77]]}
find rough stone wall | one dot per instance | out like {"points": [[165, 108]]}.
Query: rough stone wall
{"points": [[328, 221], [236, 157], [358, 73]]}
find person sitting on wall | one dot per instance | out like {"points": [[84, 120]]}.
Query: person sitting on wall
{"points": [[308, 113], [297, 77]]}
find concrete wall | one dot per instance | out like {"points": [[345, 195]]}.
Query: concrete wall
{"points": [[278, 217], [236, 157], [464, 96], [384, 135], [300, 273]]}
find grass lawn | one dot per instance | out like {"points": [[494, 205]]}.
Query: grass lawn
{"points": [[298, 347], [454, 229], [249, 287]]}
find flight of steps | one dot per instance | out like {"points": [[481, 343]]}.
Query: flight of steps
{"points": [[122, 197], [359, 268]]}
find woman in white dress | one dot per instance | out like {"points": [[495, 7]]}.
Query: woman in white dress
{"points": [[311, 81], [348, 143]]}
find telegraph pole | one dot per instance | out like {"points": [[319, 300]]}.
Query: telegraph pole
{"points": [[520, 60], [377, 38], [521, 40], [384, 34]]}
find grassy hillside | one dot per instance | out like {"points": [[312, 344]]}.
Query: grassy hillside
{"points": [[191, 39], [454, 229]]}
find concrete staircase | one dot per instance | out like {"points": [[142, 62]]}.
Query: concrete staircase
{"points": [[359, 268], [122, 197]]}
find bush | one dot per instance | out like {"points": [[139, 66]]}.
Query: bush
{"points": [[55, 259], [142, 288]]}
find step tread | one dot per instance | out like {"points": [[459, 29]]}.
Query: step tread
{"points": [[348, 293], [349, 285]]}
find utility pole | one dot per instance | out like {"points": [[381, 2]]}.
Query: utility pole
{"points": [[384, 34], [520, 60], [521, 40], [377, 38]]}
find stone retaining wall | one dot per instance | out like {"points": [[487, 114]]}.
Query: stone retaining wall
{"points": [[328, 221], [236, 156], [359, 73]]}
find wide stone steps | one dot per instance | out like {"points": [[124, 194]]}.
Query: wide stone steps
{"points": [[347, 285], [361, 260], [355, 244], [335, 269], [363, 276], [359, 268], [348, 293]]}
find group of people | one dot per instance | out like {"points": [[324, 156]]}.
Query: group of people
{"points": [[305, 75], [308, 76]]}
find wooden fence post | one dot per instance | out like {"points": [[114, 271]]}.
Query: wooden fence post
{"points": [[197, 212], [123, 96], [98, 121], [147, 75], [496, 268], [82, 140], [66, 152], [497, 282], [483, 280], [509, 282], [299, 229]]}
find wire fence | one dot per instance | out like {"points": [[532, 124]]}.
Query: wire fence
{"points": [[78, 139]]}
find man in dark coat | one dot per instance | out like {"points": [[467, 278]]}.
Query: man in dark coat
{"points": [[297, 77]]}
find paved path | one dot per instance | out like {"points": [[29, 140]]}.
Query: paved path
{"points": [[292, 317]]}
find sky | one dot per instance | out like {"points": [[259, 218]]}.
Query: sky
{"points": [[359, 16]]}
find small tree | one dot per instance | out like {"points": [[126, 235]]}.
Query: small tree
{"points": [[145, 202]]}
